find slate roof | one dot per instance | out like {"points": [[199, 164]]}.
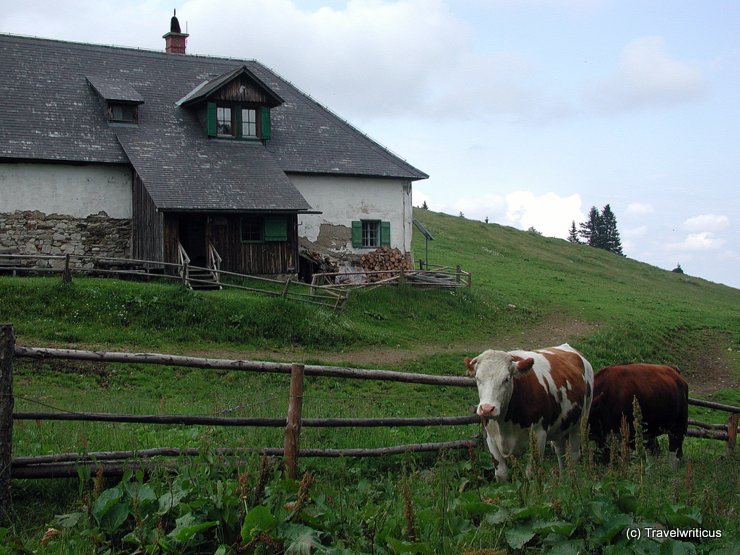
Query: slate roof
{"points": [[49, 111], [114, 89]]}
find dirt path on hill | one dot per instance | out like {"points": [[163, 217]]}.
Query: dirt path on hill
{"points": [[548, 333], [706, 370]]}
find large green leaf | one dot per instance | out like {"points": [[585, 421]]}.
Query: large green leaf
{"points": [[559, 527], [187, 526], [258, 520], [115, 517], [69, 520], [683, 516], [518, 536], [171, 499], [616, 525], [105, 501]]}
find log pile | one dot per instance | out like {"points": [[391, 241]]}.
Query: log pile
{"points": [[384, 260]]}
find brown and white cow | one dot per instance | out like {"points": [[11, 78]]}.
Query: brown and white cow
{"points": [[664, 402], [549, 390]]}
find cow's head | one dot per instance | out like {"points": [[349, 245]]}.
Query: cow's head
{"points": [[494, 373]]}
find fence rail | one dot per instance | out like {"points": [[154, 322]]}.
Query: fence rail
{"points": [[440, 277], [67, 265], [117, 461]]}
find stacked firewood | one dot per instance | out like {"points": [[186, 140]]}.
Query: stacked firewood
{"points": [[384, 260]]}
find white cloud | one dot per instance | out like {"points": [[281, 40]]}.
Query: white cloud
{"points": [[639, 209], [647, 75], [635, 232], [489, 206], [550, 214], [706, 222], [704, 241], [367, 56]]}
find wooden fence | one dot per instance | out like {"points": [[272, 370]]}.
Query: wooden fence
{"points": [[116, 462], [67, 265], [432, 276]]}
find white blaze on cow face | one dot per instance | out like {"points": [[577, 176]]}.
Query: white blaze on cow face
{"points": [[495, 372]]}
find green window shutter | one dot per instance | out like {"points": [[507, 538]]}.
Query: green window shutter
{"points": [[211, 119], [265, 125], [276, 228], [385, 234], [357, 234]]}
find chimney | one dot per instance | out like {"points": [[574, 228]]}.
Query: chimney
{"points": [[175, 41]]}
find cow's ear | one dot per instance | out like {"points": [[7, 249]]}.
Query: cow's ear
{"points": [[524, 365], [470, 365]]}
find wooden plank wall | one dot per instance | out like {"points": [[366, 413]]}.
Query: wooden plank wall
{"points": [[147, 228], [279, 257]]}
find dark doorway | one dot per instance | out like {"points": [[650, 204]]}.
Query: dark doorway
{"points": [[193, 238]]}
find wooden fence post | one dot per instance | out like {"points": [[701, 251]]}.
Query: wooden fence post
{"points": [[7, 354], [67, 275], [293, 426], [285, 288], [731, 433]]}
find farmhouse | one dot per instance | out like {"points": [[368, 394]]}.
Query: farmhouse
{"points": [[130, 153]]}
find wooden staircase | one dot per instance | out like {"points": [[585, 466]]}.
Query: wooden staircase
{"points": [[197, 277], [202, 279]]}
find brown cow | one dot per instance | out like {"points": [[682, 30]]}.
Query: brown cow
{"points": [[663, 396], [547, 391]]}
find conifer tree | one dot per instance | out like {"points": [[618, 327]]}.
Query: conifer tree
{"points": [[590, 228], [600, 230], [573, 233], [609, 239]]}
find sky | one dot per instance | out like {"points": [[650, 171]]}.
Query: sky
{"points": [[525, 112]]}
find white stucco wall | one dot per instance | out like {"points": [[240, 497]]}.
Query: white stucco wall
{"points": [[345, 199], [77, 191]]}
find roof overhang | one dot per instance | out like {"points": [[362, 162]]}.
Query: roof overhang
{"points": [[203, 92]]}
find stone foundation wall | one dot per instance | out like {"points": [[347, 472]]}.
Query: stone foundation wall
{"points": [[32, 232]]}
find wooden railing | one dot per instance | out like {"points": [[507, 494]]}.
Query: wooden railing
{"points": [[440, 277], [183, 264], [214, 262], [289, 288]]}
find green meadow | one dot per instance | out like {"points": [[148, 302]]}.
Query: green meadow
{"points": [[528, 292]]}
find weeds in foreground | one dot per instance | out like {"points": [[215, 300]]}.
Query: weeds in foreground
{"points": [[450, 506]]}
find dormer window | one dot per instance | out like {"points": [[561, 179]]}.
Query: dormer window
{"points": [[224, 125], [120, 99], [238, 121], [249, 123], [123, 113], [235, 105]]}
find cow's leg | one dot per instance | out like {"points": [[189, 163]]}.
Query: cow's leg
{"points": [[675, 448], [559, 448], [499, 461], [574, 441]]}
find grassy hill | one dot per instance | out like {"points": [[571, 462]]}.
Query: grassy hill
{"points": [[528, 291], [642, 313], [522, 282]]}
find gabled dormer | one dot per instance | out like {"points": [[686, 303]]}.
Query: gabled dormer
{"points": [[235, 105], [120, 99]]}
